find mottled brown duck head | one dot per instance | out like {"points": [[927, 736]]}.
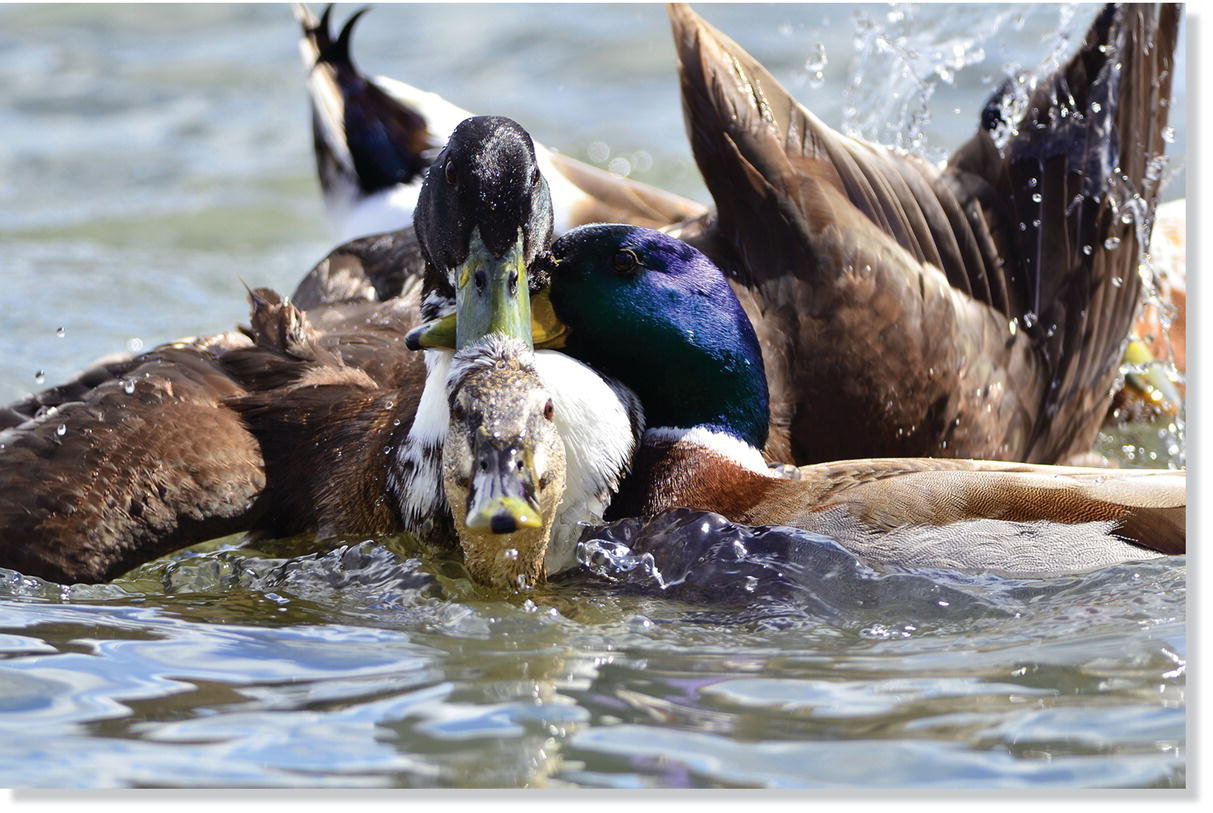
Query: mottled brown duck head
{"points": [[503, 463]]}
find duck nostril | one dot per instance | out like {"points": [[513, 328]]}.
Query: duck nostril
{"points": [[503, 524]]}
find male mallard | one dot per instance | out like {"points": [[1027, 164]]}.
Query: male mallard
{"points": [[374, 137], [316, 421], [976, 310], [659, 316]]}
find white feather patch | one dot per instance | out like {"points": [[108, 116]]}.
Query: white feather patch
{"points": [[352, 214], [595, 421], [727, 446], [421, 496]]}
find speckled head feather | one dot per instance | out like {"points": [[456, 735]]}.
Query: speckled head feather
{"points": [[503, 463]]}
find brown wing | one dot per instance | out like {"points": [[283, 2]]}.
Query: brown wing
{"points": [[118, 478], [887, 298], [109, 368], [1081, 171]]}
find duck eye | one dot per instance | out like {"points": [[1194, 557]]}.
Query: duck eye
{"points": [[449, 172], [457, 411], [549, 409], [625, 261]]}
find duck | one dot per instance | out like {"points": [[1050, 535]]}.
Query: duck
{"points": [[657, 315], [976, 309], [319, 420], [375, 136]]}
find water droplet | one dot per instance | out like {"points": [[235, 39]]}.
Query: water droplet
{"points": [[816, 65], [1111, 243], [1086, 250], [1126, 218], [60, 332], [751, 583], [135, 344], [39, 376], [1036, 197], [1117, 282], [1014, 326], [1029, 319], [61, 430], [1168, 135], [598, 151], [620, 166], [128, 385], [1032, 183], [510, 554], [1096, 107]]}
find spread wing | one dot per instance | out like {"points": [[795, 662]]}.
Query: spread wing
{"points": [[902, 304]]}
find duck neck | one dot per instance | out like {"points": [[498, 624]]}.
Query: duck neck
{"points": [[700, 467]]}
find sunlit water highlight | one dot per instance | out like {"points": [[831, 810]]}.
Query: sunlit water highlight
{"points": [[153, 157]]}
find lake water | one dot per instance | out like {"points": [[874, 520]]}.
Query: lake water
{"points": [[152, 157]]}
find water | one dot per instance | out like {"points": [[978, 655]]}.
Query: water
{"points": [[153, 157]]}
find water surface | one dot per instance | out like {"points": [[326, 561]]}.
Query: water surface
{"points": [[152, 157]]}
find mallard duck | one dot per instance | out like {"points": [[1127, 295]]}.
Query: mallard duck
{"points": [[656, 314], [374, 137], [974, 310], [309, 421]]}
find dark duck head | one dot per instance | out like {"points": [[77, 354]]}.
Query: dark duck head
{"points": [[483, 216]]}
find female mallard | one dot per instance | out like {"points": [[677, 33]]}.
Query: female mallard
{"points": [[655, 313], [976, 310], [315, 421]]}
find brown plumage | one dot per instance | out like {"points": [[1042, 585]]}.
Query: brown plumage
{"points": [[284, 433], [902, 310], [1014, 518], [138, 466]]}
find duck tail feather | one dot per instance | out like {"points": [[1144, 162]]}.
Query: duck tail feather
{"points": [[365, 140], [339, 51], [276, 324]]}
